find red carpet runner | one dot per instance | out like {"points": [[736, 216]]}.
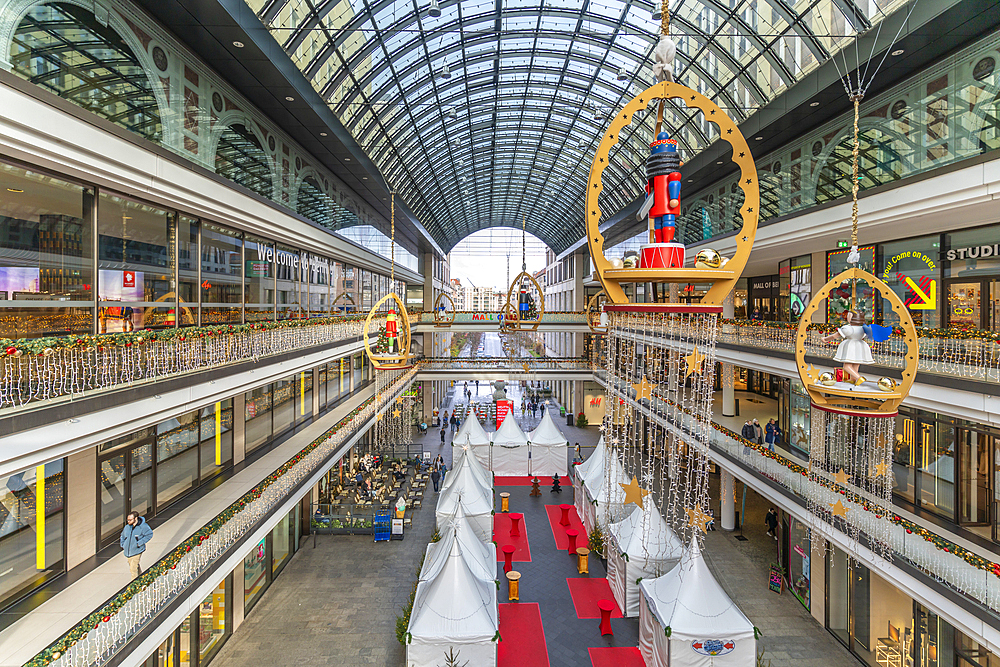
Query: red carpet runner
{"points": [[559, 531], [522, 639], [586, 592], [501, 533], [616, 656], [520, 481]]}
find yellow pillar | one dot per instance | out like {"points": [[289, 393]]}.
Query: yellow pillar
{"points": [[218, 434], [40, 517]]}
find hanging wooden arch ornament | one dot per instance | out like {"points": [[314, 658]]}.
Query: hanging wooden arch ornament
{"points": [[397, 326], [513, 319], [349, 303], [868, 398], [444, 310], [723, 279], [597, 319]]}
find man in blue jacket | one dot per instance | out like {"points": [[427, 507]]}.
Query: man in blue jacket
{"points": [[133, 540]]}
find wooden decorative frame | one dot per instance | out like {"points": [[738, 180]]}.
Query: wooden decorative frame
{"points": [[347, 298], [853, 402], [515, 323], [723, 279], [593, 313], [390, 361], [443, 316]]}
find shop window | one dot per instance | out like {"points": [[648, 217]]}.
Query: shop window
{"points": [[221, 275], [176, 457], [46, 255], [187, 271], [909, 266], [288, 287], [136, 261], [257, 413], [302, 391], [321, 387], [281, 541], [241, 158], [285, 404], [216, 426], [259, 278], [65, 49], [32, 538], [214, 621], [255, 575], [125, 481]]}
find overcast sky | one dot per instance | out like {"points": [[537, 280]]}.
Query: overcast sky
{"points": [[482, 257]]}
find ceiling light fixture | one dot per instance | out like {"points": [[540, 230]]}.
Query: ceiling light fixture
{"points": [[657, 14], [445, 71], [451, 113], [758, 138], [814, 104], [719, 162], [238, 44], [364, 178], [434, 10], [289, 98], [347, 159], [15, 190], [622, 74], [899, 52], [322, 134]]}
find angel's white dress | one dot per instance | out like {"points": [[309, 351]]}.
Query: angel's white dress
{"points": [[853, 349]]}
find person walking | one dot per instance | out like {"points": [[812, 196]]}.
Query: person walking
{"points": [[747, 431], [436, 479], [758, 433], [477, 387], [444, 429], [534, 409], [769, 433], [133, 540], [444, 470], [771, 521]]}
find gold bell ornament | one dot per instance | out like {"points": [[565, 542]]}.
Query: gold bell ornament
{"points": [[827, 379], [886, 384], [707, 259]]}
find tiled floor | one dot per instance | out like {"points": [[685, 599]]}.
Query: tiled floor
{"points": [[337, 604]]}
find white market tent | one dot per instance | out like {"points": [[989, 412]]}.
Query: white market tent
{"points": [[465, 459], [702, 619], [453, 610], [595, 459], [548, 448], [471, 434], [652, 550], [468, 493], [481, 557], [604, 503], [510, 449]]}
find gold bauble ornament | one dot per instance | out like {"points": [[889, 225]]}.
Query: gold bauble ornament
{"points": [[827, 379], [617, 263], [707, 259], [886, 384], [631, 260]]}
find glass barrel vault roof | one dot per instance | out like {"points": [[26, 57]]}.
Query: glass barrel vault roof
{"points": [[512, 128]]}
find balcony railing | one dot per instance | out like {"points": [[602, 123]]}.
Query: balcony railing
{"points": [[44, 369], [105, 631], [973, 354], [506, 364], [965, 571], [484, 317]]}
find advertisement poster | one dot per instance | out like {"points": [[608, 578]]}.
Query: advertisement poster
{"points": [[503, 408]]}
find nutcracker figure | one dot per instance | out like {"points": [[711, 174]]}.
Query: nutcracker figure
{"points": [[391, 332], [663, 204], [523, 303]]}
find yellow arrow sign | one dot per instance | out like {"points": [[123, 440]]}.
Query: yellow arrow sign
{"points": [[929, 300]]}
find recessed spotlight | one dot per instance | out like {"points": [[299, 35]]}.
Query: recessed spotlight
{"points": [[719, 162], [758, 138], [348, 159], [814, 104], [289, 98], [364, 178], [899, 52], [15, 190], [322, 134], [238, 44]]}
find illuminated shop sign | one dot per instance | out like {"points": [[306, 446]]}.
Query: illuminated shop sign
{"points": [[973, 252]]}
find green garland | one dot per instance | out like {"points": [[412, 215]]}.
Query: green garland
{"points": [[922, 332], [170, 560], [46, 346], [943, 544]]}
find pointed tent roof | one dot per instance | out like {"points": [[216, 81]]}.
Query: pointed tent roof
{"points": [[466, 459], [456, 605], [509, 432], [471, 432], [479, 555], [468, 492], [595, 459], [691, 602], [595, 482], [644, 533], [547, 434]]}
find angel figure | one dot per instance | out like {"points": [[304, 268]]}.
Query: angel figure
{"points": [[853, 349]]}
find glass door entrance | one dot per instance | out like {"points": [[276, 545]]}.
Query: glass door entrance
{"points": [[125, 483], [964, 305]]}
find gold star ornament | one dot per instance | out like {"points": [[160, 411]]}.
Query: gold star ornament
{"points": [[839, 509], [396, 413], [841, 477], [633, 492], [697, 517], [694, 362], [643, 389], [880, 469], [399, 399]]}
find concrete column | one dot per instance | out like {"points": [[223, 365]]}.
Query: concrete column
{"points": [[239, 603], [315, 396], [428, 273], [727, 501], [81, 507], [239, 428], [728, 390]]}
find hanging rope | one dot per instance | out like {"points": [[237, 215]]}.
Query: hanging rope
{"points": [[524, 244], [855, 184], [392, 232], [665, 19]]}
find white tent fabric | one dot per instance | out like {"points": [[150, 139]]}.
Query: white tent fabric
{"points": [[605, 503], [467, 491], [548, 448], [463, 458], [652, 550], [706, 628], [594, 462], [471, 433], [482, 557], [455, 609], [509, 454]]}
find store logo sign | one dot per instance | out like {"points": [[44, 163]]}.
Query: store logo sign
{"points": [[128, 278], [713, 646], [973, 252], [595, 402]]}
